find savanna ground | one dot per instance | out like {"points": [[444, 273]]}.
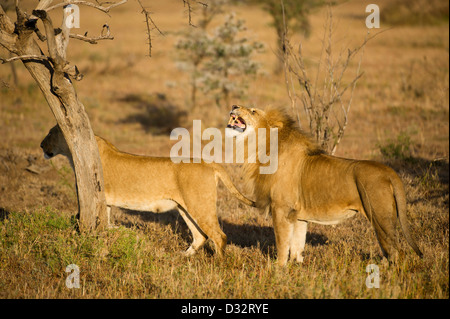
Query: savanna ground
{"points": [[399, 115]]}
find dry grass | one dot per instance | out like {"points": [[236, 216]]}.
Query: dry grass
{"points": [[404, 92]]}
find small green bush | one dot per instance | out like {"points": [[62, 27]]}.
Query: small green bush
{"points": [[397, 149]]}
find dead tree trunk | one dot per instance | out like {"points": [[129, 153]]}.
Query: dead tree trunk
{"points": [[52, 74]]}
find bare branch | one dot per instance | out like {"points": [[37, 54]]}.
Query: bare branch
{"points": [[149, 32], [43, 4], [154, 25], [189, 6], [93, 40], [24, 57], [149, 23], [62, 38], [51, 39], [89, 4], [7, 25], [346, 110], [41, 37], [5, 22]]}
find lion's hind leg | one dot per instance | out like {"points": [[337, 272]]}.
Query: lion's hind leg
{"points": [[387, 241], [382, 215], [209, 223], [199, 238], [203, 223]]}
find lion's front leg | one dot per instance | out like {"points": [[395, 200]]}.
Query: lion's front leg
{"points": [[298, 240], [283, 233], [110, 223]]}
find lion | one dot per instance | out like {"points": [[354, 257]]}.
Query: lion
{"points": [[156, 184], [312, 186]]}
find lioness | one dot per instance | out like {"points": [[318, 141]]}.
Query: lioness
{"points": [[157, 184], [311, 186]]}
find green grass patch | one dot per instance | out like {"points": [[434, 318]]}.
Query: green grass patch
{"points": [[398, 148], [36, 247]]}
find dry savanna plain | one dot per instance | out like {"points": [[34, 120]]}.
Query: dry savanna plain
{"points": [[399, 116]]}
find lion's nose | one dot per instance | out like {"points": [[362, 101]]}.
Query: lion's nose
{"points": [[234, 107], [42, 145]]}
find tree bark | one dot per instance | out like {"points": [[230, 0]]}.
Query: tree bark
{"points": [[69, 112]]}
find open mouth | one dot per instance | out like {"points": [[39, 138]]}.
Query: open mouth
{"points": [[237, 123]]}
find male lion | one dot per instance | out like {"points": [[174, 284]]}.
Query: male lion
{"points": [[311, 186], [157, 184]]}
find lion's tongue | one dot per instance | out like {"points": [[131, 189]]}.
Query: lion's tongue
{"points": [[235, 122], [239, 123]]}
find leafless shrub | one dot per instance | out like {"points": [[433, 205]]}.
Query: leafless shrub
{"points": [[327, 97]]}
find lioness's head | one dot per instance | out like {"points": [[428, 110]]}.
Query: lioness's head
{"points": [[54, 143]]}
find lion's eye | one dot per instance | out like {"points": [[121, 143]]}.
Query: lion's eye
{"points": [[253, 111]]}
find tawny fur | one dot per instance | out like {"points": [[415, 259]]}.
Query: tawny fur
{"points": [[311, 186], [157, 184]]}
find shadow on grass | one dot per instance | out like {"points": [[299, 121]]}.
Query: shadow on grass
{"points": [[262, 237], [3, 214], [432, 176], [156, 114], [244, 236]]}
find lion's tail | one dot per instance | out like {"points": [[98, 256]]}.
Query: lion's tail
{"points": [[400, 200], [225, 178]]}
